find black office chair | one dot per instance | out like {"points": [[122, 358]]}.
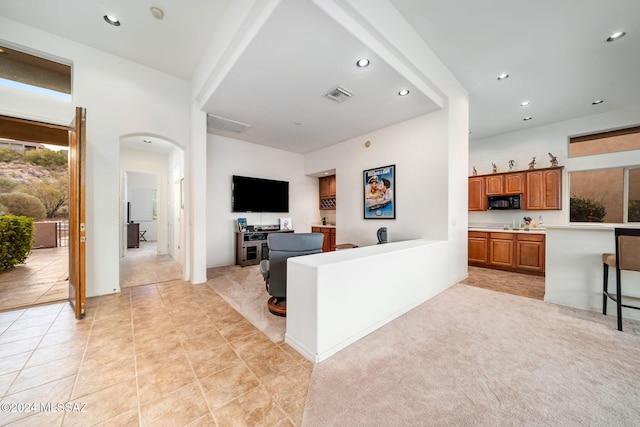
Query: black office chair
{"points": [[382, 235], [627, 257], [283, 246]]}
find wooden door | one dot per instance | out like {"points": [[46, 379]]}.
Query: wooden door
{"points": [[477, 196], [77, 228]]}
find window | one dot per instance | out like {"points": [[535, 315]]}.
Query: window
{"points": [[25, 71], [606, 195], [605, 142]]}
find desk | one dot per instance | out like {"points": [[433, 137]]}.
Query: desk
{"points": [[345, 246]]}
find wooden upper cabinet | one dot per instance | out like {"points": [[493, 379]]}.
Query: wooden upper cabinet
{"points": [[477, 194], [495, 184], [544, 189], [327, 186], [514, 183]]}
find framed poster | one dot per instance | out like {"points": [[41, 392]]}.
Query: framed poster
{"points": [[379, 192]]}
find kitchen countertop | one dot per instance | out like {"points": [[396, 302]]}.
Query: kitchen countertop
{"points": [[319, 224], [500, 229]]}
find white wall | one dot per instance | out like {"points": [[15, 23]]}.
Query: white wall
{"points": [[227, 157], [539, 141], [121, 98], [418, 148]]}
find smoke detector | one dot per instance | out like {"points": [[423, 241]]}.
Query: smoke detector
{"points": [[339, 94]]}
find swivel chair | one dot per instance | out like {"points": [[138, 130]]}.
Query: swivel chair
{"points": [[626, 257], [382, 235], [283, 246]]}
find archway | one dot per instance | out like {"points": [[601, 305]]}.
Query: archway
{"points": [[152, 229]]}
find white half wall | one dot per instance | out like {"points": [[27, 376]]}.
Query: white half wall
{"points": [[227, 157]]}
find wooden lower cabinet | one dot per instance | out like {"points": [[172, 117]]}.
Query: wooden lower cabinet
{"points": [[501, 249], [329, 242], [530, 252], [520, 252], [478, 251]]}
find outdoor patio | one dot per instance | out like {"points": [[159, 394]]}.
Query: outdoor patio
{"points": [[42, 279]]}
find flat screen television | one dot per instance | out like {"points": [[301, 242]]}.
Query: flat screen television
{"points": [[259, 195]]}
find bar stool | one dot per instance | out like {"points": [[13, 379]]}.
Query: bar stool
{"points": [[626, 257]]}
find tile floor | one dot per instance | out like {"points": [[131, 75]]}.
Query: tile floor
{"points": [[168, 353], [507, 282], [41, 279]]}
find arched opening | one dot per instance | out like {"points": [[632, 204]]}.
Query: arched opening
{"points": [[151, 213]]}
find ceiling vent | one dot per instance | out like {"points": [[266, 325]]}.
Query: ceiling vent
{"points": [[220, 123], [339, 94]]}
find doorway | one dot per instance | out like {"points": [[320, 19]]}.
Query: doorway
{"points": [[149, 167], [41, 169]]}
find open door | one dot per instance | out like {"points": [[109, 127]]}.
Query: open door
{"points": [[77, 185]]}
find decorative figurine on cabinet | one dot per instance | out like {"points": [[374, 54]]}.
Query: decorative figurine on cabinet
{"points": [[554, 160], [532, 163], [512, 164], [475, 172], [495, 168]]}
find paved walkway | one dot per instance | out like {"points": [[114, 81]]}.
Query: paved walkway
{"points": [[42, 279]]}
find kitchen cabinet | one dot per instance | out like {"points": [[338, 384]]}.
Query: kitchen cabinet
{"points": [[514, 183], [519, 252], [505, 183], [329, 242], [530, 252], [501, 252], [327, 192], [494, 185], [544, 189], [478, 247], [477, 194]]}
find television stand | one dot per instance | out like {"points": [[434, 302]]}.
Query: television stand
{"points": [[251, 246]]}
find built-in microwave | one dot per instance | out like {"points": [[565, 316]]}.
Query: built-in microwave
{"points": [[504, 202]]}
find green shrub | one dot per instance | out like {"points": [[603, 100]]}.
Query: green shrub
{"points": [[47, 158], [586, 210], [16, 238], [9, 155], [7, 185], [634, 211], [20, 204]]}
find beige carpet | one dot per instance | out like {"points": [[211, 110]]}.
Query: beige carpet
{"points": [[474, 357], [243, 288]]}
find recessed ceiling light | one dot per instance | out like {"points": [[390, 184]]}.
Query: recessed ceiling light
{"points": [[526, 119], [616, 36], [525, 103], [364, 62], [404, 92], [112, 20], [503, 76], [157, 12], [599, 101]]}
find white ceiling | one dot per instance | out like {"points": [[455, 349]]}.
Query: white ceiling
{"points": [[554, 52]]}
